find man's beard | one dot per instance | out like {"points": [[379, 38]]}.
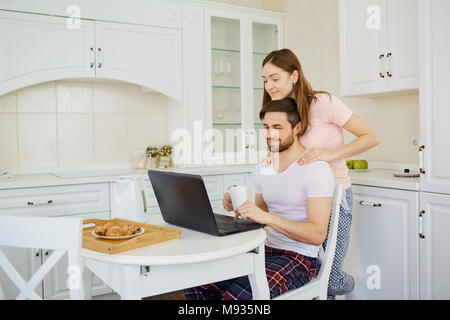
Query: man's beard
{"points": [[282, 146]]}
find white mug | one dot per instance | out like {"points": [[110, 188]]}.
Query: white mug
{"points": [[238, 195]]}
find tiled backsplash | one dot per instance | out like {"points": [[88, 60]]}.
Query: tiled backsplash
{"points": [[75, 123]]}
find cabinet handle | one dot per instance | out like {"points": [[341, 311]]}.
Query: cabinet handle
{"points": [[422, 171], [369, 204], [381, 66], [144, 201], [30, 203], [388, 56], [91, 57], [100, 57], [421, 235]]}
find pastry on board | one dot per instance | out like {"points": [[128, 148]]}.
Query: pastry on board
{"points": [[112, 229]]}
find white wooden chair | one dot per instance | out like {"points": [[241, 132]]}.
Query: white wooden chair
{"points": [[318, 286], [59, 234]]}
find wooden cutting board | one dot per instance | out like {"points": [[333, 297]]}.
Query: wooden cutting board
{"points": [[152, 234]]}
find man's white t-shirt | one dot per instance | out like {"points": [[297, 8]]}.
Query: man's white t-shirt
{"points": [[286, 194]]}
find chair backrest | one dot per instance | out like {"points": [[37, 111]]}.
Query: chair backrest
{"points": [[59, 234], [328, 255]]}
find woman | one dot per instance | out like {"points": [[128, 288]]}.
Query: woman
{"points": [[323, 117]]}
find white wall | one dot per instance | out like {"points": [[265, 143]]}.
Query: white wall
{"points": [[70, 123]]}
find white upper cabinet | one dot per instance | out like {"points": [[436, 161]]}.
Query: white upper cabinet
{"points": [[148, 56], [434, 89], [361, 47], [237, 42], [35, 48], [402, 60], [378, 46], [157, 13]]}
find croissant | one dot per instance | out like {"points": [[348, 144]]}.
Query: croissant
{"points": [[100, 230], [114, 231]]}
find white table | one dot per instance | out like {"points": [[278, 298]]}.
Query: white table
{"points": [[194, 259]]}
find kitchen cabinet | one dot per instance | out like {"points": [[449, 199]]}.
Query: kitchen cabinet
{"points": [[158, 13], [434, 240], [223, 47], [384, 248], [433, 98], [36, 48], [144, 55], [378, 46], [434, 152], [148, 56], [83, 201], [55, 201], [236, 44]]}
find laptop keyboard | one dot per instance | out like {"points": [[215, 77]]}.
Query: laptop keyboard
{"points": [[225, 223]]}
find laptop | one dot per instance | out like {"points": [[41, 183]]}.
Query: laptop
{"points": [[183, 202]]}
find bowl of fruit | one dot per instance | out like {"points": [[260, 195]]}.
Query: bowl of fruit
{"points": [[357, 165]]}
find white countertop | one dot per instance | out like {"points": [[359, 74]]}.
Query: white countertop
{"points": [[384, 179], [372, 177], [105, 176]]}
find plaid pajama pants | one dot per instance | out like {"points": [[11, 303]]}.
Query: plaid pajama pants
{"points": [[340, 282], [285, 270]]}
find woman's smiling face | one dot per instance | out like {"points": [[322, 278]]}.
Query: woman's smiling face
{"points": [[278, 82]]}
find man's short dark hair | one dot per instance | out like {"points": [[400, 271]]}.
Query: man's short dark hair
{"points": [[287, 105]]}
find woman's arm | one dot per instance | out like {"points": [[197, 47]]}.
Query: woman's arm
{"points": [[367, 138]]}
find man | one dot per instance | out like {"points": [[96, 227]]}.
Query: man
{"points": [[293, 201]]}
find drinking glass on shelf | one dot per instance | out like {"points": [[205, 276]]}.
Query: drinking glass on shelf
{"points": [[221, 72], [229, 82]]}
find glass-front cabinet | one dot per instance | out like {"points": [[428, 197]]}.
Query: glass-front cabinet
{"points": [[236, 48]]}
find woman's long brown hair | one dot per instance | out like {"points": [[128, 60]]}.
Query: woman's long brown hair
{"points": [[304, 95]]}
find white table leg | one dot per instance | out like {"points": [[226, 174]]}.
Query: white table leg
{"points": [[87, 283], [131, 283], [258, 279]]}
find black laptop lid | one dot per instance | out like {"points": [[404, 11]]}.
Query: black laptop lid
{"points": [[183, 200]]}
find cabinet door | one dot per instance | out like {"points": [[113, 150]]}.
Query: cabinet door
{"points": [[383, 249], [434, 88], [266, 37], [362, 31], [227, 91], [402, 58], [36, 48], [147, 56], [55, 283], [434, 253]]}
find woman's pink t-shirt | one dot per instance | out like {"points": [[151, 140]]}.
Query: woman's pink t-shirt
{"points": [[327, 118]]}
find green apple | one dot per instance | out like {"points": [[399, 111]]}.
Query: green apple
{"points": [[360, 164], [350, 164]]}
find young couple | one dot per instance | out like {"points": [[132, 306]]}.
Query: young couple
{"points": [[294, 185]]}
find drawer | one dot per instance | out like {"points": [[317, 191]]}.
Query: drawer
{"points": [[214, 187], [55, 201]]}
